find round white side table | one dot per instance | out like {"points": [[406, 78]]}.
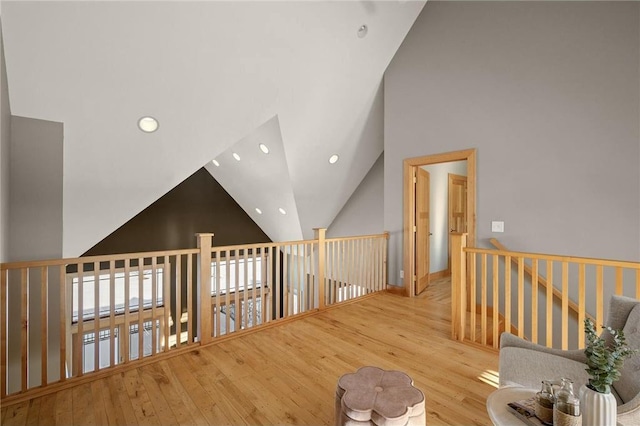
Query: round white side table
{"points": [[497, 404]]}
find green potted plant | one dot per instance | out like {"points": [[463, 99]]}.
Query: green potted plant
{"points": [[604, 361]]}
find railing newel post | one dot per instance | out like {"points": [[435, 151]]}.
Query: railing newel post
{"points": [[458, 285], [204, 287], [320, 236]]}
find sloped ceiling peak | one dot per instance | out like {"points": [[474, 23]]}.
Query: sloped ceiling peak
{"points": [[212, 73], [261, 181]]}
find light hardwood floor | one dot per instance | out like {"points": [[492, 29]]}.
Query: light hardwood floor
{"points": [[287, 374]]}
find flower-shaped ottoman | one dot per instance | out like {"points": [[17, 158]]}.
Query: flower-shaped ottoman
{"points": [[372, 396]]}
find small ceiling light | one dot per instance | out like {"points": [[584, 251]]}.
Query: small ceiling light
{"points": [[236, 156], [148, 124], [215, 163], [334, 159], [258, 211], [282, 211], [362, 31], [264, 148]]}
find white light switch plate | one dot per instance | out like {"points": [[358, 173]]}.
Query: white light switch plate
{"points": [[401, 274], [497, 226]]}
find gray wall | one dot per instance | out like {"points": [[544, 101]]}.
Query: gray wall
{"points": [[548, 92], [5, 143], [439, 211], [363, 213], [35, 207]]}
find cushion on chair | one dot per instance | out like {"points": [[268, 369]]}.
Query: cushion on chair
{"points": [[528, 368], [628, 386]]}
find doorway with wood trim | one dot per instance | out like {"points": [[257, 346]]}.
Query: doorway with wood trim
{"points": [[416, 224]]}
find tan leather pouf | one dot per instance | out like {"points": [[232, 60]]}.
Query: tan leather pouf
{"points": [[372, 396]]}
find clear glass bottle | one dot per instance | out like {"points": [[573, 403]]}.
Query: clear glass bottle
{"points": [[567, 408], [545, 401]]}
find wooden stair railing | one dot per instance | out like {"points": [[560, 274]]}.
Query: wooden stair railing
{"points": [[573, 307]]}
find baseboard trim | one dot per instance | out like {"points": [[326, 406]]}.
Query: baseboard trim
{"points": [[396, 290], [439, 274]]}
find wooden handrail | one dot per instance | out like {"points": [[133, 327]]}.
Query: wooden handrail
{"points": [[541, 280]]}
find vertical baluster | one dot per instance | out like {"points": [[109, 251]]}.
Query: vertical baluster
{"points": [[549, 300], [285, 281], [333, 275], [44, 321], [483, 297], [495, 313], [236, 291], [4, 312], [619, 280], [565, 305], [154, 303], [189, 259], [96, 316], [244, 308], [299, 304], [178, 261], [267, 285], [78, 353], [166, 298], [64, 309], [581, 302], [336, 272], [312, 291], [507, 293], [112, 315], [227, 295], [305, 277], [218, 289], [352, 278], [140, 309], [534, 300], [126, 329], [520, 296], [278, 283], [599, 297], [24, 331], [384, 258], [472, 295], [254, 278]]}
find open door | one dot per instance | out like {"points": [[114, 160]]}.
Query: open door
{"points": [[457, 207], [422, 230]]}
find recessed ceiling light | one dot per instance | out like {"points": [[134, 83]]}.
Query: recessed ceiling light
{"points": [[362, 31], [215, 163], [334, 159], [148, 124], [258, 211], [264, 148], [236, 156], [282, 211]]}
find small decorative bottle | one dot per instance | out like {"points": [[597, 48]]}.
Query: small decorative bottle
{"points": [[566, 411], [544, 402]]}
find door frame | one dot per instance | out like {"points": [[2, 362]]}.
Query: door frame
{"points": [[409, 205]]}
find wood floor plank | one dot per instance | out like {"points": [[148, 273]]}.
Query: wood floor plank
{"points": [[64, 407], [287, 374], [83, 413], [16, 414], [125, 414], [47, 415], [143, 408]]}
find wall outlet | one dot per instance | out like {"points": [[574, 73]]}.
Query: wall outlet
{"points": [[497, 226], [401, 274]]}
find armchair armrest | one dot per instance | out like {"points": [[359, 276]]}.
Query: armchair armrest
{"points": [[510, 340]]}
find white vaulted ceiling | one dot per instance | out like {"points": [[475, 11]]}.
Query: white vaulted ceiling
{"points": [[218, 76]]}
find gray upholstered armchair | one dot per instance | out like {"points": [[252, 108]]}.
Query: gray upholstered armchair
{"points": [[526, 364]]}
